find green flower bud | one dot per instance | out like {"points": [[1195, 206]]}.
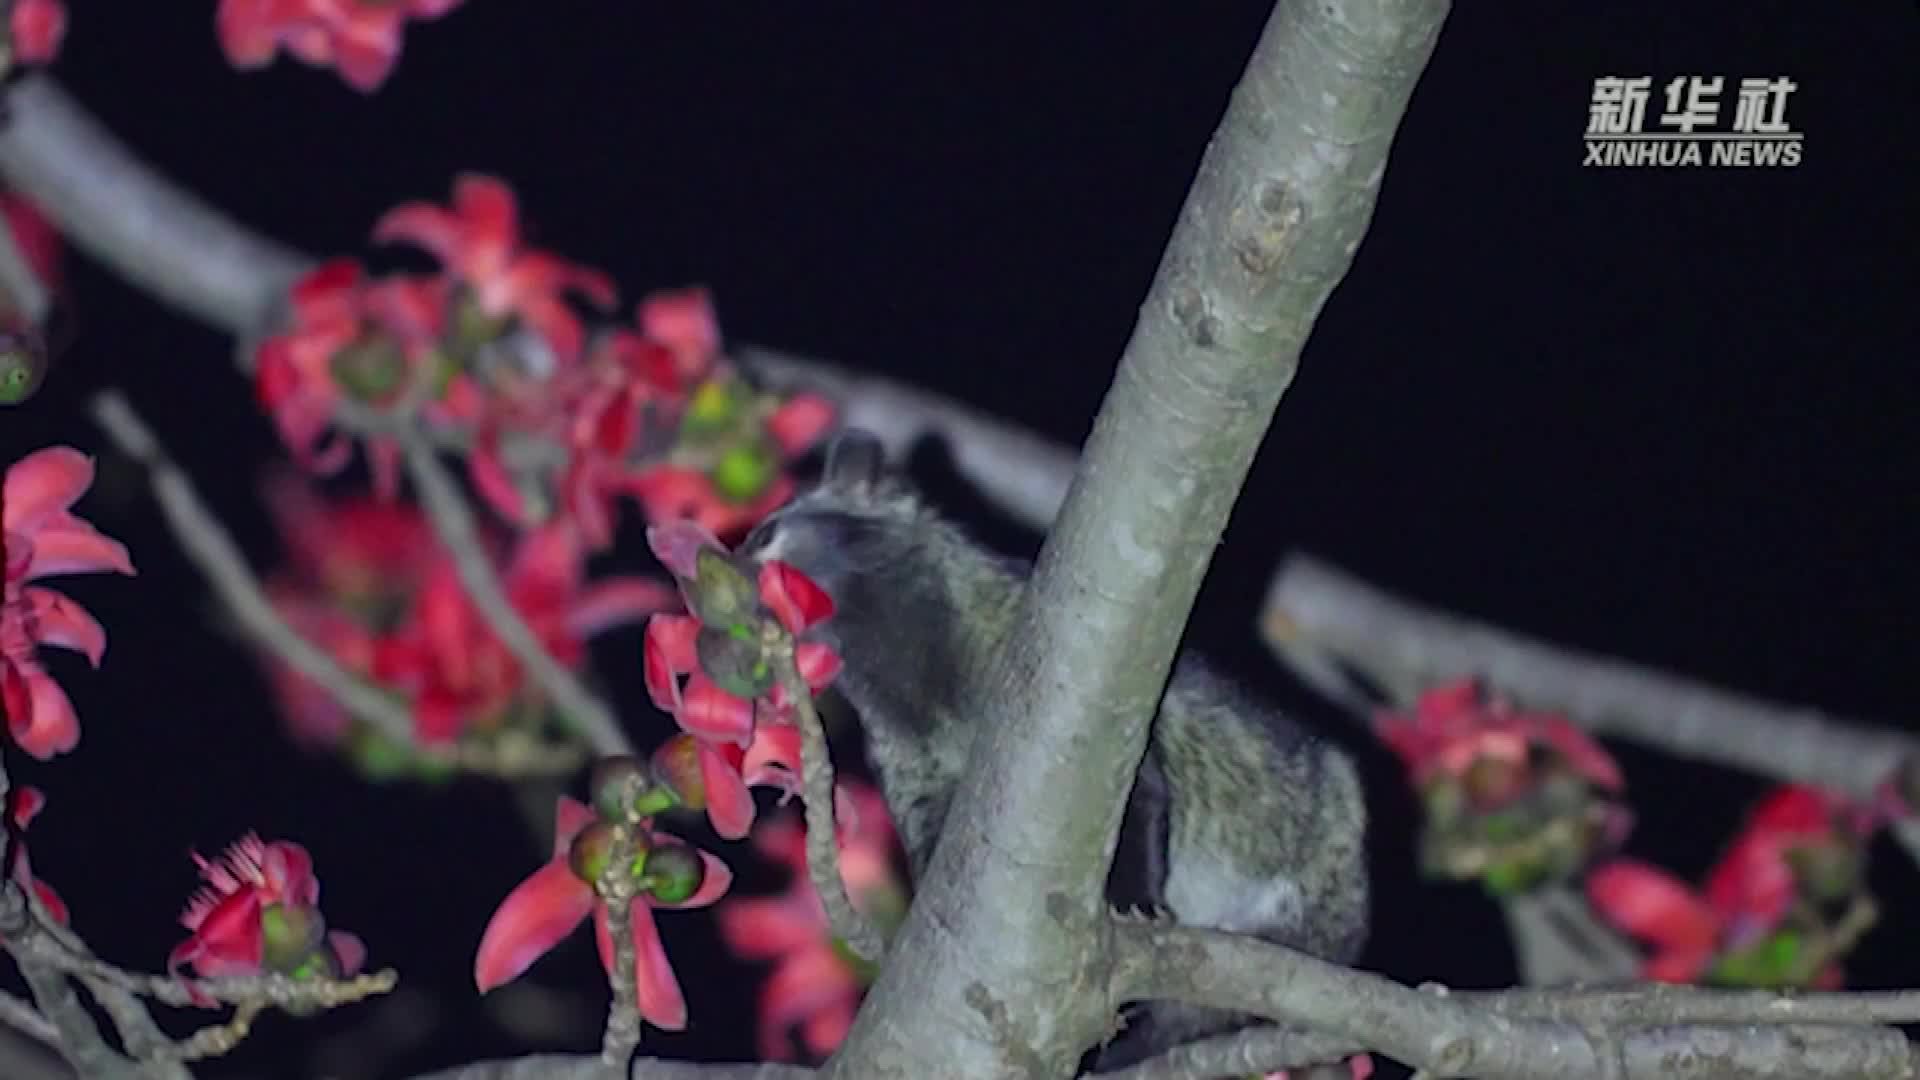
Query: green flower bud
{"points": [[720, 593], [744, 472], [676, 769], [371, 369], [674, 872], [616, 782], [734, 660], [713, 407], [288, 935], [593, 851]]}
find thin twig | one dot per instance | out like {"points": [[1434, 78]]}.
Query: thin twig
{"points": [[211, 548], [847, 922], [623, 1009], [453, 521], [1315, 612], [21, 1016], [118, 210]]}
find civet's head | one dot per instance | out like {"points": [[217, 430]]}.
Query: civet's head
{"points": [[854, 524]]}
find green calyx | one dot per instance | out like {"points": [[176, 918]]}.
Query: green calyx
{"points": [[676, 773], [372, 369], [721, 593], [734, 658], [714, 408], [625, 791], [289, 936], [673, 872], [745, 471]]}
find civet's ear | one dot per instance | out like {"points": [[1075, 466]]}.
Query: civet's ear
{"points": [[855, 462]]}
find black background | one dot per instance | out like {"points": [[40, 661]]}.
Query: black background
{"points": [[1662, 413]]}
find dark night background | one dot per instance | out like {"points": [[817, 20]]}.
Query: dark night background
{"points": [[1655, 412]]}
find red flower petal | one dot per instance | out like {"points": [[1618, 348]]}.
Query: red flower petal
{"points": [[667, 652], [60, 622], [661, 1002], [39, 714], [537, 915], [570, 818], [423, 225], [44, 483], [1652, 905], [824, 1031], [729, 803], [349, 952], [677, 545], [800, 422], [818, 664], [64, 544], [761, 927], [793, 597], [612, 602], [804, 983], [683, 320], [712, 713]]}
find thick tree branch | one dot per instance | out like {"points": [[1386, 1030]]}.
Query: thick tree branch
{"points": [[1255, 1051], [1613, 1034], [1315, 613], [1282, 198], [119, 211], [578, 1067]]}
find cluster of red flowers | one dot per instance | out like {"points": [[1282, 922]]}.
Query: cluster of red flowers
{"points": [[43, 537], [737, 733], [490, 347], [1784, 904], [369, 583], [359, 38], [1512, 798]]}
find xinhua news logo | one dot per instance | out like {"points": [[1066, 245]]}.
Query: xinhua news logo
{"points": [[1690, 130]]}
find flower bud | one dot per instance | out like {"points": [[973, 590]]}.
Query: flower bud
{"points": [[745, 471], [288, 935], [674, 872], [734, 659], [676, 768], [371, 369], [617, 781], [592, 851]]}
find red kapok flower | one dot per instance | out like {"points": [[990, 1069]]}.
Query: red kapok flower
{"points": [[1763, 918], [674, 643], [1513, 799], [542, 910], [360, 38], [347, 339], [479, 243], [41, 536], [37, 28], [23, 805], [816, 984], [1455, 727], [259, 912]]}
